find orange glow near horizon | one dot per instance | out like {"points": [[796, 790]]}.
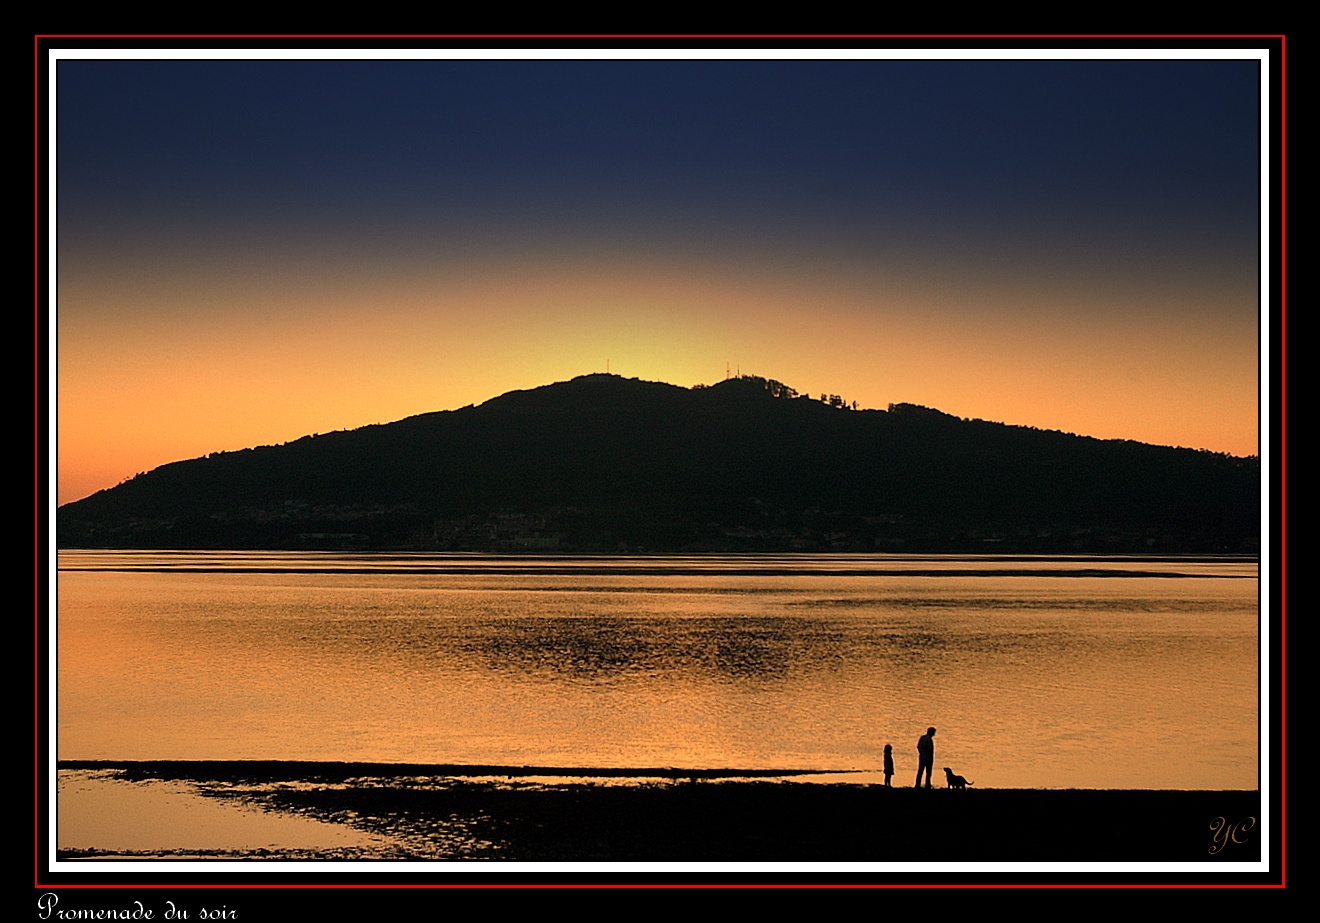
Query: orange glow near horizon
{"points": [[142, 383]]}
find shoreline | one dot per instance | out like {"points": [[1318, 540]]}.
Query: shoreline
{"points": [[500, 813], [329, 770]]}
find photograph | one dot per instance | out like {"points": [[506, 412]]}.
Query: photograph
{"points": [[748, 461]]}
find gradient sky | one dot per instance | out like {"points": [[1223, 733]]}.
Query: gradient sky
{"points": [[251, 251]]}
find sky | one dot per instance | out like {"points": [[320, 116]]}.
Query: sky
{"points": [[249, 251]]}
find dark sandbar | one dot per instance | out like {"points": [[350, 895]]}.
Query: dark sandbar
{"points": [[502, 813]]}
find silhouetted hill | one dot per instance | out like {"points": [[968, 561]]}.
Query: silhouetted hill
{"points": [[602, 463]]}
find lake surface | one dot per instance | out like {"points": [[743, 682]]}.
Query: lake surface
{"points": [[1077, 672]]}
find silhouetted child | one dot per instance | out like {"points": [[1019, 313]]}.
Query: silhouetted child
{"points": [[889, 764]]}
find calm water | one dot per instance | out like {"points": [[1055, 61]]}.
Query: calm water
{"points": [[1038, 672]]}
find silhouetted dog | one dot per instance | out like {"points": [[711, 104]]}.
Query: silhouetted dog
{"points": [[955, 780]]}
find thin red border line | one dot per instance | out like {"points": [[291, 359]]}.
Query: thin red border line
{"points": [[1283, 300], [668, 886], [37, 505], [1283, 456], [1283, 416], [695, 35]]}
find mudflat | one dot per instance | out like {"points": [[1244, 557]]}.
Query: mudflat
{"points": [[669, 815]]}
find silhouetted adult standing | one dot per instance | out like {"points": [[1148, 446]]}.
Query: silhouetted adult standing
{"points": [[925, 756]]}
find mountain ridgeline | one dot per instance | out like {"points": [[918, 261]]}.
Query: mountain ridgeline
{"points": [[606, 464]]}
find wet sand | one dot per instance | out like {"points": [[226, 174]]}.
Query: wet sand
{"points": [[428, 812]]}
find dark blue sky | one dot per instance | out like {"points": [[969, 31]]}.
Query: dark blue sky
{"points": [[1164, 138]]}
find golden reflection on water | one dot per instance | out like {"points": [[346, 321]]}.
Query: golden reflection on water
{"points": [[1034, 679], [97, 812]]}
